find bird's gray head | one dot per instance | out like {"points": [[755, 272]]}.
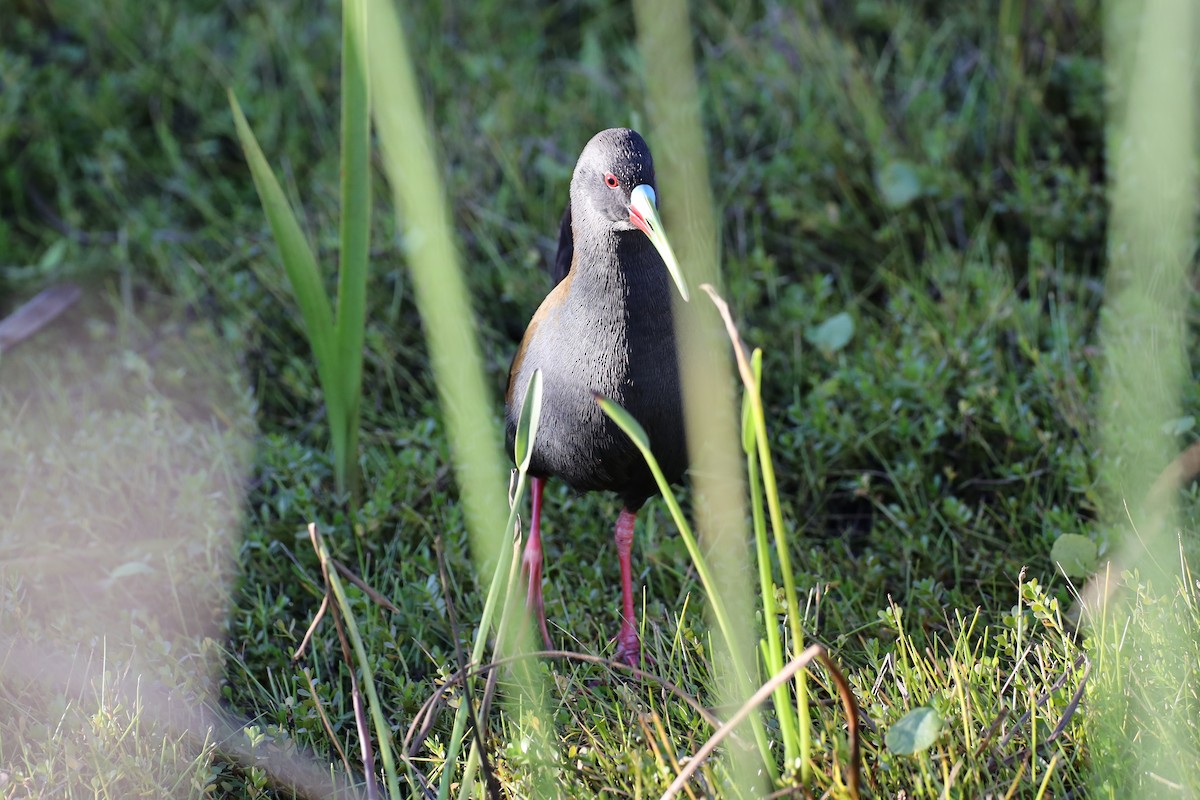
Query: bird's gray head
{"points": [[613, 190], [614, 162]]}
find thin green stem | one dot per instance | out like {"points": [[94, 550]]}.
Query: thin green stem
{"points": [[785, 567], [774, 650], [772, 491], [383, 731]]}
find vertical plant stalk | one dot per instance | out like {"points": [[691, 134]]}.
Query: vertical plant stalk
{"points": [[354, 236], [411, 164], [681, 164], [1153, 198], [412, 168], [773, 654], [781, 543]]}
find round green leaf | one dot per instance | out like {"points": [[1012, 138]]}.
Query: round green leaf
{"points": [[53, 256], [1074, 554], [898, 184], [833, 334], [915, 731]]}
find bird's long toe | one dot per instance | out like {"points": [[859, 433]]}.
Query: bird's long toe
{"points": [[531, 573], [629, 646]]}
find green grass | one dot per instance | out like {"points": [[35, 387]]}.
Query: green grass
{"points": [[937, 172]]}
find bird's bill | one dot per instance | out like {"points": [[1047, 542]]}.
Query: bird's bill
{"points": [[643, 213]]}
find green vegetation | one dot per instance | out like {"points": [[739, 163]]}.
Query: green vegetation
{"points": [[914, 228]]}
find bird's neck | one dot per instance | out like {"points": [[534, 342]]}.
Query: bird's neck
{"points": [[618, 264]]}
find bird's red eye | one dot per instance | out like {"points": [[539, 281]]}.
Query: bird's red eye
{"points": [[611, 181]]}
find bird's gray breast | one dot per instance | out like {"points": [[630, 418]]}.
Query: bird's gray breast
{"points": [[604, 345]]}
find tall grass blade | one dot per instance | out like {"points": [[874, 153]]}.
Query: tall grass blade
{"points": [[774, 648], [303, 274], [411, 165], [1141, 727], [354, 234], [681, 162], [637, 435], [441, 292], [771, 490]]}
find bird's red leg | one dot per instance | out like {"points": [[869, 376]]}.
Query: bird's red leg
{"points": [[531, 563], [629, 647]]}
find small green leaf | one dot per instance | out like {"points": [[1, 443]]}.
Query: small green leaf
{"points": [[1074, 554], [527, 422], [898, 184], [1178, 427], [354, 239], [833, 334], [915, 731], [53, 256], [748, 407]]}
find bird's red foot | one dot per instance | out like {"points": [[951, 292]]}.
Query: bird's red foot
{"points": [[531, 565], [629, 647], [531, 573]]}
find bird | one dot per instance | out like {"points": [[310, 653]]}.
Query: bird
{"points": [[605, 329]]}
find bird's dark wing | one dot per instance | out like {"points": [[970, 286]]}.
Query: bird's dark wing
{"points": [[566, 248], [512, 402]]}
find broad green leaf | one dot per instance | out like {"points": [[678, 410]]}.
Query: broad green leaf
{"points": [[898, 184], [833, 334], [527, 422], [1074, 554], [915, 731]]}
